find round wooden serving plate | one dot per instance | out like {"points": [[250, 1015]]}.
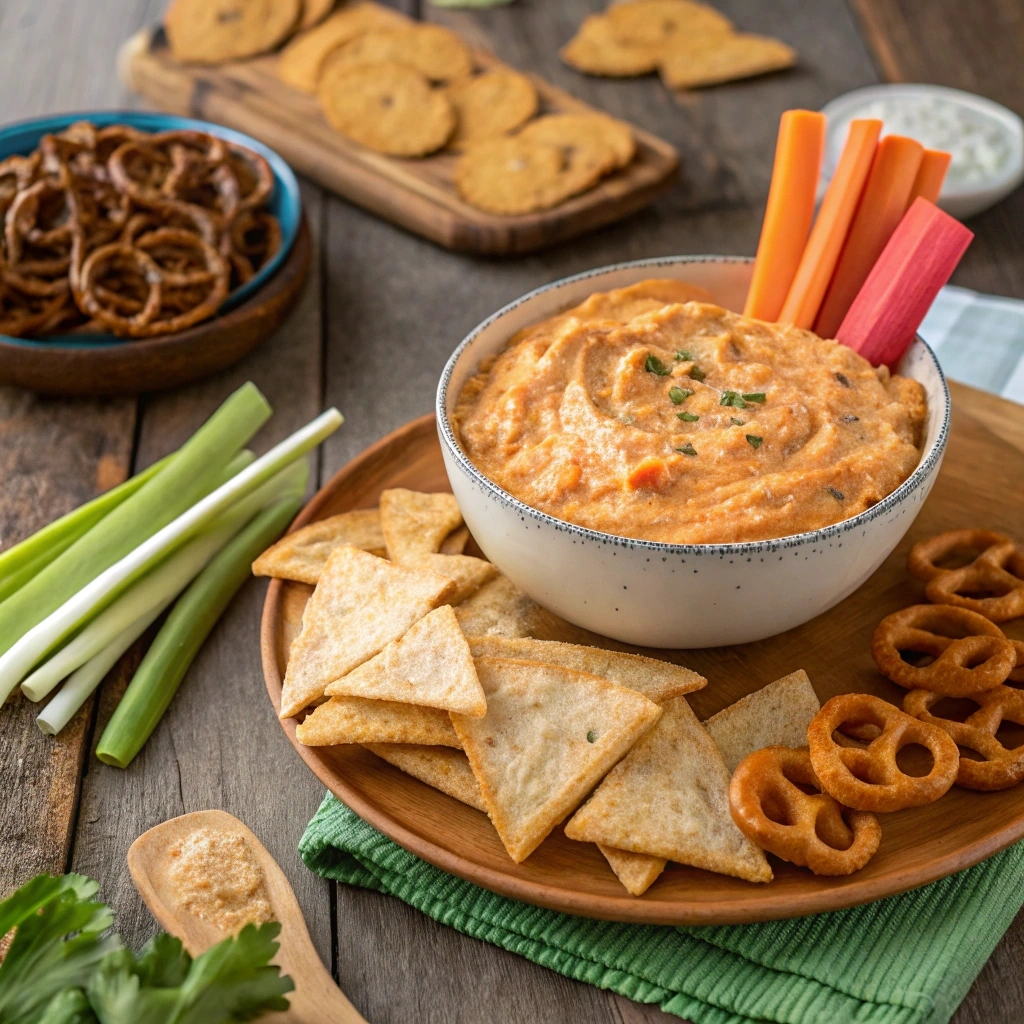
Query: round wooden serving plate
{"points": [[918, 845], [154, 364]]}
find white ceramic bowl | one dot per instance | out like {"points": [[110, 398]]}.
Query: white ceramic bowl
{"points": [[674, 595]]}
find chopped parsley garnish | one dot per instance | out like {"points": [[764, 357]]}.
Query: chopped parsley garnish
{"points": [[652, 364], [687, 449], [688, 417], [591, 736], [755, 396], [682, 356], [837, 494], [754, 441], [733, 398], [678, 395], [697, 373], [735, 422], [844, 380]]}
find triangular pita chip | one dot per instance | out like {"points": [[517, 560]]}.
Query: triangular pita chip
{"points": [[441, 767], [302, 555], [456, 541], [468, 574], [415, 523], [498, 608], [360, 605], [657, 680], [358, 720], [777, 715], [669, 797], [429, 665], [636, 871], [549, 735], [725, 59]]}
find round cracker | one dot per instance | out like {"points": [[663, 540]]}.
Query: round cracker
{"points": [[653, 22], [517, 175], [432, 50], [491, 105], [591, 140], [596, 49], [302, 60], [213, 31], [387, 107], [313, 12]]}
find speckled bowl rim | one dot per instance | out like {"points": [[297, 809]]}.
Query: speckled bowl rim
{"points": [[921, 474]]}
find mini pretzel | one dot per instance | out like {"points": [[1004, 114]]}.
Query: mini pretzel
{"points": [[926, 553], [1002, 768], [971, 653], [998, 571], [100, 261], [868, 778], [810, 829]]}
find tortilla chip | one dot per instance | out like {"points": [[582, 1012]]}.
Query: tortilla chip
{"points": [[669, 797], [302, 555], [724, 59], [441, 767], [468, 574], [430, 665], [358, 720], [360, 605], [416, 524], [549, 735], [498, 608], [656, 680], [775, 716], [636, 871], [456, 541]]}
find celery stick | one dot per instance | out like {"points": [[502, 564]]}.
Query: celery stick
{"points": [[161, 585], [187, 627], [18, 564], [169, 493], [96, 595]]}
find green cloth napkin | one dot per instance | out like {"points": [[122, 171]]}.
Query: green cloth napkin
{"points": [[908, 959]]}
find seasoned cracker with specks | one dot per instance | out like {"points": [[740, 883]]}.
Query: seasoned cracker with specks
{"points": [[597, 49], [491, 105], [436, 52], [416, 523], [214, 31], [590, 141], [390, 108], [652, 22]]}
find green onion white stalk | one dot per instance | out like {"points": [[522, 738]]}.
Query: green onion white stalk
{"points": [[25, 651], [183, 633], [167, 495]]}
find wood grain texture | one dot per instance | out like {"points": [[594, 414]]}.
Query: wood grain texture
{"points": [[417, 194]]}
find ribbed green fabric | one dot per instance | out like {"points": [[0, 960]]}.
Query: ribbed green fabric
{"points": [[909, 959]]}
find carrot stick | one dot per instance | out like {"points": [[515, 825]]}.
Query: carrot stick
{"points": [[790, 210], [930, 176], [882, 205], [832, 223]]}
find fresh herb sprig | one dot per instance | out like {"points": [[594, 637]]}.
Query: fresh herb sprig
{"points": [[652, 364], [740, 401], [678, 395], [687, 449]]}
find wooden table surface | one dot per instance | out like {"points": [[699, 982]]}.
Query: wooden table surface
{"points": [[381, 313]]}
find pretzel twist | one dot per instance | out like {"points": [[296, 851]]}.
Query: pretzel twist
{"points": [[810, 829], [997, 572], [970, 653], [868, 778], [1002, 767]]}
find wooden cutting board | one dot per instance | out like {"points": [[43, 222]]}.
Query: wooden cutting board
{"points": [[981, 484], [417, 194]]}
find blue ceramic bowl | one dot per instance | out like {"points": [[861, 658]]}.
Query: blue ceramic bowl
{"points": [[285, 204]]}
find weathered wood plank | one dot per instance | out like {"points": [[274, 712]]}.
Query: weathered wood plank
{"points": [[219, 744]]}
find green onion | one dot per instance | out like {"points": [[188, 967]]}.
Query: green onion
{"points": [[21, 562], [179, 485], [754, 441], [687, 417], [652, 364], [98, 593], [678, 395], [755, 396], [683, 356], [697, 373], [157, 680]]}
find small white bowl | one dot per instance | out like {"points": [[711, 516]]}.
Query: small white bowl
{"points": [[674, 595], [961, 199]]}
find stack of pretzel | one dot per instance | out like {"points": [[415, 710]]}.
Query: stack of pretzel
{"points": [[114, 230], [816, 806]]}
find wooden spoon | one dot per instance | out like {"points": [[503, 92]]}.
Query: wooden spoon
{"points": [[316, 999]]}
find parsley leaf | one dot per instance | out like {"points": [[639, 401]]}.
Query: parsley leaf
{"points": [[735, 422], [755, 396], [687, 449], [591, 736], [697, 373], [688, 417], [754, 441], [682, 356], [678, 395], [652, 364], [733, 398]]}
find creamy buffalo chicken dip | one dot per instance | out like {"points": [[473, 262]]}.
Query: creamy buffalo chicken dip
{"points": [[648, 412]]}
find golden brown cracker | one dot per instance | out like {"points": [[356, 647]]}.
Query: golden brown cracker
{"points": [[313, 12], [213, 31], [636, 871], [389, 108], [443, 768], [586, 140], [718, 59], [361, 720], [597, 49], [654, 22], [416, 522], [491, 105], [434, 51]]}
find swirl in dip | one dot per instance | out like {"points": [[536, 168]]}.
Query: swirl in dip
{"points": [[644, 414]]}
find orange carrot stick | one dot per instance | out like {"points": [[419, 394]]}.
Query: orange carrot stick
{"points": [[930, 176], [882, 204], [832, 223], [790, 210]]}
